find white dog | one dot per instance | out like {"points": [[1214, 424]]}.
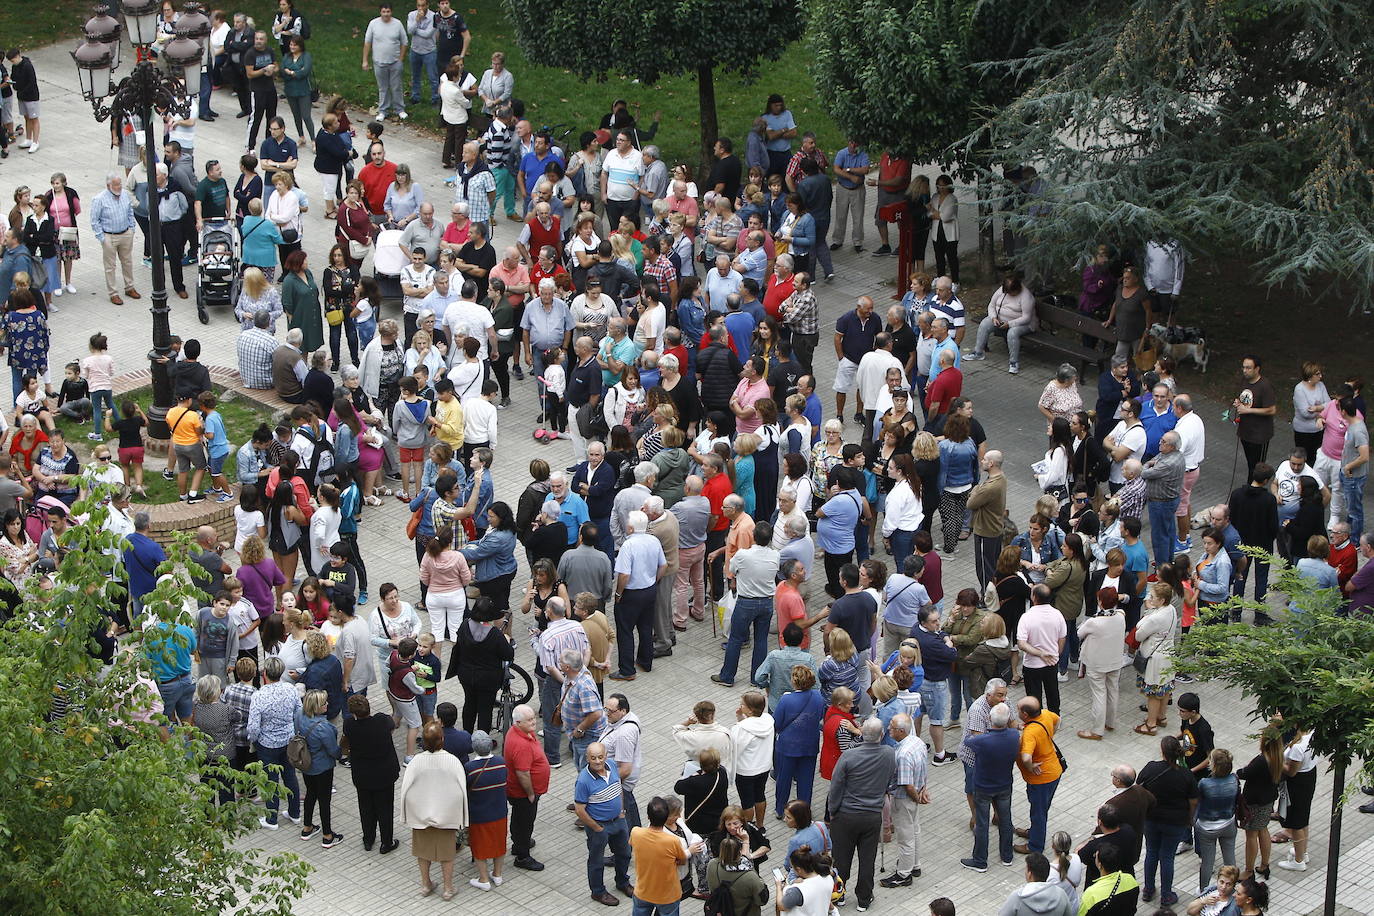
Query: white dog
{"points": [[1178, 342]]}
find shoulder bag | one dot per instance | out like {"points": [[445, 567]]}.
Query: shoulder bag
{"points": [[1063, 764]]}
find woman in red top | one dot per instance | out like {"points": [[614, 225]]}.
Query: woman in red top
{"points": [[28, 441], [353, 223], [839, 731]]}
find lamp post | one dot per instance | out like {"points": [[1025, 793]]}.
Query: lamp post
{"points": [[143, 90]]}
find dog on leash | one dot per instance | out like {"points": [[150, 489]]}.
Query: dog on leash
{"points": [[1178, 342]]}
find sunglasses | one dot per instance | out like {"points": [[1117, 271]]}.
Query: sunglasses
{"points": [[102, 457]]}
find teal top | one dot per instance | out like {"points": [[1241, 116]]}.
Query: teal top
{"points": [[297, 73], [300, 300]]}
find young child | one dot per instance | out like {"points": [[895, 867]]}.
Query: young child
{"points": [[33, 401], [186, 450], [410, 424], [364, 315], [338, 577], [217, 638], [312, 598], [246, 620], [98, 368], [248, 517], [350, 513], [74, 397], [129, 428], [555, 384], [417, 282], [422, 382], [402, 688], [217, 444], [429, 670]]}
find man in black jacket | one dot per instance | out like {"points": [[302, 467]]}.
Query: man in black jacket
{"points": [[1255, 516], [719, 369], [1113, 387], [237, 43]]}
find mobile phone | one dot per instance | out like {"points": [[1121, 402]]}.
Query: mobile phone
{"points": [[779, 874]]}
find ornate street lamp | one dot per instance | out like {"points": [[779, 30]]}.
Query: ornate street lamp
{"points": [[145, 89]]}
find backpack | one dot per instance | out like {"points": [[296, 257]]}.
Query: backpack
{"points": [[298, 753], [303, 27], [721, 902]]}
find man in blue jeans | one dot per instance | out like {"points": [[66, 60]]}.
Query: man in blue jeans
{"points": [[1163, 476], [994, 753], [753, 575], [1040, 768], [580, 707], [600, 810], [937, 656], [169, 648], [271, 724], [1354, 465]]}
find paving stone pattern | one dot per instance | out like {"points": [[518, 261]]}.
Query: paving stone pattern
{"points": [[351, 881]]}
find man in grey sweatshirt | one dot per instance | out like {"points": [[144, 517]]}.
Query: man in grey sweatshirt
{"points": [[1163, 486], [857, 789], [1039, 896]]}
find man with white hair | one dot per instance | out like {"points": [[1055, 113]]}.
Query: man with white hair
{"points": [[288, 368], [574, 510], [561, 635], [1163, 477], [639, 565], [547, 323], [693, 513], [465, 318], [632, 498], [909, 793], [995, 753], [947, 305], [654, 185], [871, 378], [541, 228], [858, 788], [256, 349], [436, 304], [977, 721], [112, 220], [663, 526], [528, 770]]}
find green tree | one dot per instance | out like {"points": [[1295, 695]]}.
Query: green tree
{"points": [[1234, 126], [1313, 666], [105, 813], [649, 39], [907, 75]]}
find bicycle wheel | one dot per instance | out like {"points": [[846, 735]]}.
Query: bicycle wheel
{"points": [[505, 708], [519, 685]]}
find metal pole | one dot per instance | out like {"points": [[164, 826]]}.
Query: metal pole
{"points": [[145, 81]]}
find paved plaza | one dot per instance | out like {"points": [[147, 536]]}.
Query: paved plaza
{"points": [[349, 880]]}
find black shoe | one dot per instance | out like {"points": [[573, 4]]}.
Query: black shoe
{"points": [[1367, 808], [207, 117], [518, 373], [197, 498], [529, 864], [1367, 790], [368, 844], [608, 862], [242, 114], [835, 246], [169, 474], [882, 251], [390, 847], [896, 880]]}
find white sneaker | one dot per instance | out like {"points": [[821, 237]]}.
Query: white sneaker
{"points": [[1014, 369], [57, 292], [25, 143], [480, 885], [1062, 677], [1293, 865], [34, 148], [71, 288], [268, 825]]}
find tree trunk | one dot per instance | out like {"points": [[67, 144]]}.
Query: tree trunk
{"points": [[1333, 845], [706, 100], [986, 245]]}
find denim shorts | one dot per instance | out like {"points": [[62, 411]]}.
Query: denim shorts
{"points": [[427, 702], [217, 464], [935, 699]]}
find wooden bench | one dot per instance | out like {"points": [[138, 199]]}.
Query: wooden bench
{"points": [[1062, 330]]}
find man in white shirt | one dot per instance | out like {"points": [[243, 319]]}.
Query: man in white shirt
{"points": [[440, 298], [465, 318], [871, 378], [721, 283], [417, 282], [947, 305], [479, 419], [1193, 437], [1285, 483], [621, 173], [653, 318], [1125, 442]]}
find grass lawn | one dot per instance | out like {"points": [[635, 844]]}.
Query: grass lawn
{"points": [[241, 417], [551, 95]]}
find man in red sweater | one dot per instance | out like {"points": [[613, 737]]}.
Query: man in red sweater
{"points": [[944, 389], [377, 176]]}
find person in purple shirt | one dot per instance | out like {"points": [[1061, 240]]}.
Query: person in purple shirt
{"points": [[1360, 588]]}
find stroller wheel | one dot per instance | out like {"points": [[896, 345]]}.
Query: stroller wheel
{"points": [[202, 314]]}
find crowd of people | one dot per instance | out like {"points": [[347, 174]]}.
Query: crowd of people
{"points": [[668, 330]]}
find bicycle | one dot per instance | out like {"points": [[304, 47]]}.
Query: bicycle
{"points": [[511, 695]]}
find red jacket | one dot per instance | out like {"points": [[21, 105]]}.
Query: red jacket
{"points": [[830, 739]]}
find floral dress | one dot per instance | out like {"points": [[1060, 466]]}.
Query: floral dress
{"points": [[26, 337]]}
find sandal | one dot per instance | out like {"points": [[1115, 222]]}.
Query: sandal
{"points": [[372, 501], [1017, 681], [1280, 836], [1145, 729]]}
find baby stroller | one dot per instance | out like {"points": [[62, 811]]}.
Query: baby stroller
{"points": [[387, 263], [218, 271]]}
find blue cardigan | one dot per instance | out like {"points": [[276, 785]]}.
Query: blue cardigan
{"points": [[804, 234], [320, 738], [798, 722], [494, 555], [958, 463]]}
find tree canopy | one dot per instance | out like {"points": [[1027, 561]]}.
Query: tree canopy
{"points": [[104, 811], [649, 39], [1234, 126]]}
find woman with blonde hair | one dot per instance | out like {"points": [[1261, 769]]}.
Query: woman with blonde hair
{"points": [[991, 658], [323, 743], [324, 671], [256, 293], [842, 664], [745, 446], [434, 805], [283, 210], [926, 451]]}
